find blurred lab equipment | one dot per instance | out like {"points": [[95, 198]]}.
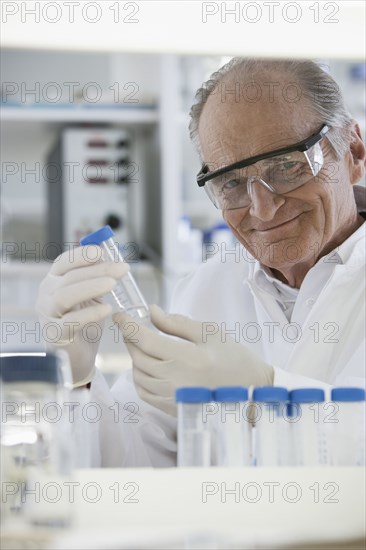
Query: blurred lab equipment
{"points": [[89, 172], [35, 440]]}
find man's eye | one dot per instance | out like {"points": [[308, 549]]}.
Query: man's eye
{"points": [[287, 169], [230, 184], [292, 166]]}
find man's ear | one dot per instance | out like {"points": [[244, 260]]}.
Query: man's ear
{"points": [[358, 154]]}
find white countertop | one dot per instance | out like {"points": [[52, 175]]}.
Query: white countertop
{"points": [[213, 508]]}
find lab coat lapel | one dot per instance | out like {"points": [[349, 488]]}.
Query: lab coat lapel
{"points": [[332, 327], [276, 347]]}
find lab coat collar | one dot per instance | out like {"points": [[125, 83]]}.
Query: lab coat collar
{"points": [[352, 250], [350, 253]]}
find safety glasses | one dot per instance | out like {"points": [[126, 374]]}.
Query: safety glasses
{"points": [[280, 171]]}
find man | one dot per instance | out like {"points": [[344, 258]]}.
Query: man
{"points": [[288, 309]]}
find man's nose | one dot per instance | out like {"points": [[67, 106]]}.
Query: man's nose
{"points": [[265, 202]]}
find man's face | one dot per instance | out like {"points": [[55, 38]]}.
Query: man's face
{"points": [[279, 230]]}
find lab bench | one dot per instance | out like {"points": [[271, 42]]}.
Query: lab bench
{"points": [[211, 508]]}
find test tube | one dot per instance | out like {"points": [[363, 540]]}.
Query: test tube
{"points": [[271, 427], [35, 442], [194, 443], [126, 293], [233, 429], [308, 430], [347, 429]]}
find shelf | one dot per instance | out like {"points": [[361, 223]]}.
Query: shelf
{"points": [[146, 115], [216, 508]]}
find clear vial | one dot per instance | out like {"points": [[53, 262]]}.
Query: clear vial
{"points": [[347, 427], [194, 441], [126, 293], [233, 429], [307, 427], [35, 440], [272, 446]]}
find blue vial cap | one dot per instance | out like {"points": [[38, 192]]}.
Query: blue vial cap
{"points": [[193, 395], [98, 237], [307, 395], [270, 394], [348, 394], [28, 368], [230, 394]]}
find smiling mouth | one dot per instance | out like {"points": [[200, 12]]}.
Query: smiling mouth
{"points": [[279, 225]]}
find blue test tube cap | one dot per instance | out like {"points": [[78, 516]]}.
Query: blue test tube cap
{"points": [[99, 236], [348, 394], [307, 395], [270, 394], [230, 394], [193, 395], [28, 368]]}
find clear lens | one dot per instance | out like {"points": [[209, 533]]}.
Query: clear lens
{"points": [[282, 174]]}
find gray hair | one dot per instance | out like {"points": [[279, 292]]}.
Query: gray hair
{"points": [[316, 85]]}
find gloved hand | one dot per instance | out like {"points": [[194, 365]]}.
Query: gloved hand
{"points": [[69, 298], [162, 364]]}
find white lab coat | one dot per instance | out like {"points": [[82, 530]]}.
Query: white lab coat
{"points": [[329, 348]]}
